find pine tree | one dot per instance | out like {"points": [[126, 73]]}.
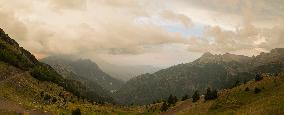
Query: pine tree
{"points": [[172, 99], [258, 77], [210, 95], [195, 96]]}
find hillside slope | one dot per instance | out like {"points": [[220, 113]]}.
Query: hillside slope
{"points": [[22, 93], [86, 70], [241, 100], [215, 71]]}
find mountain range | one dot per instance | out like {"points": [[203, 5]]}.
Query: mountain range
{"points": [[215, 71]]}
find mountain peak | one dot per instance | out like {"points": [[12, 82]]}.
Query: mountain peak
{"points": [[277, 50], [227, 57], [207, 54]]}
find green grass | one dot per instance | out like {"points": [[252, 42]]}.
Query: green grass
{"points": [[4, 112]]}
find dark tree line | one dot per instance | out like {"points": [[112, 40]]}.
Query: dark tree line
{"points": [[170, 101], [211, 95]]}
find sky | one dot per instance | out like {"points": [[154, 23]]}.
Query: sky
{"points": [[144, 32]]}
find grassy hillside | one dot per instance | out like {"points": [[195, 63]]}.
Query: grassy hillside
{"points": [[19, 88], [242, 100]]}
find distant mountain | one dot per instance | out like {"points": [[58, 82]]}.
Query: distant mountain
{"points": [[125, 72], [25, 64], [85, 70], [215, 71], [67, 73]]}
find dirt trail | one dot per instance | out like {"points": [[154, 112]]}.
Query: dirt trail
{"points": [[173, 111]]}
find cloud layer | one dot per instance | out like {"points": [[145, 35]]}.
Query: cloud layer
{"points": [[144, 31]]}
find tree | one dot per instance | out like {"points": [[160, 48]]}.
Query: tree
{"points": [[258, 77], [172, 99], [237, 83], [46, 97], [185, 97], [210, 95], [195, 96], [76, 112]]}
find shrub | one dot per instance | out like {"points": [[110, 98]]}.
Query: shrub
{"points": [[237, 83], [54, 100], [41, 93], [195, 96], [210, 95], [46, 97], [256, 90], [247, 89], [185, 97], [76, 112], [258, 77]]}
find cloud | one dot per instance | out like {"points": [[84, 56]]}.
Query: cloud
{"points": [[10, 23], [125, 28], [68, 4], [171, 16], [247, 38], [252, 34]]}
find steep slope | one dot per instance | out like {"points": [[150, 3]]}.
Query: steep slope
{"points": [[86, 70], [14, 55], [21, 90], [216, 71]]}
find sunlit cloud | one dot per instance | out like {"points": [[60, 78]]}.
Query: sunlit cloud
{"points": [[140, 31]]}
